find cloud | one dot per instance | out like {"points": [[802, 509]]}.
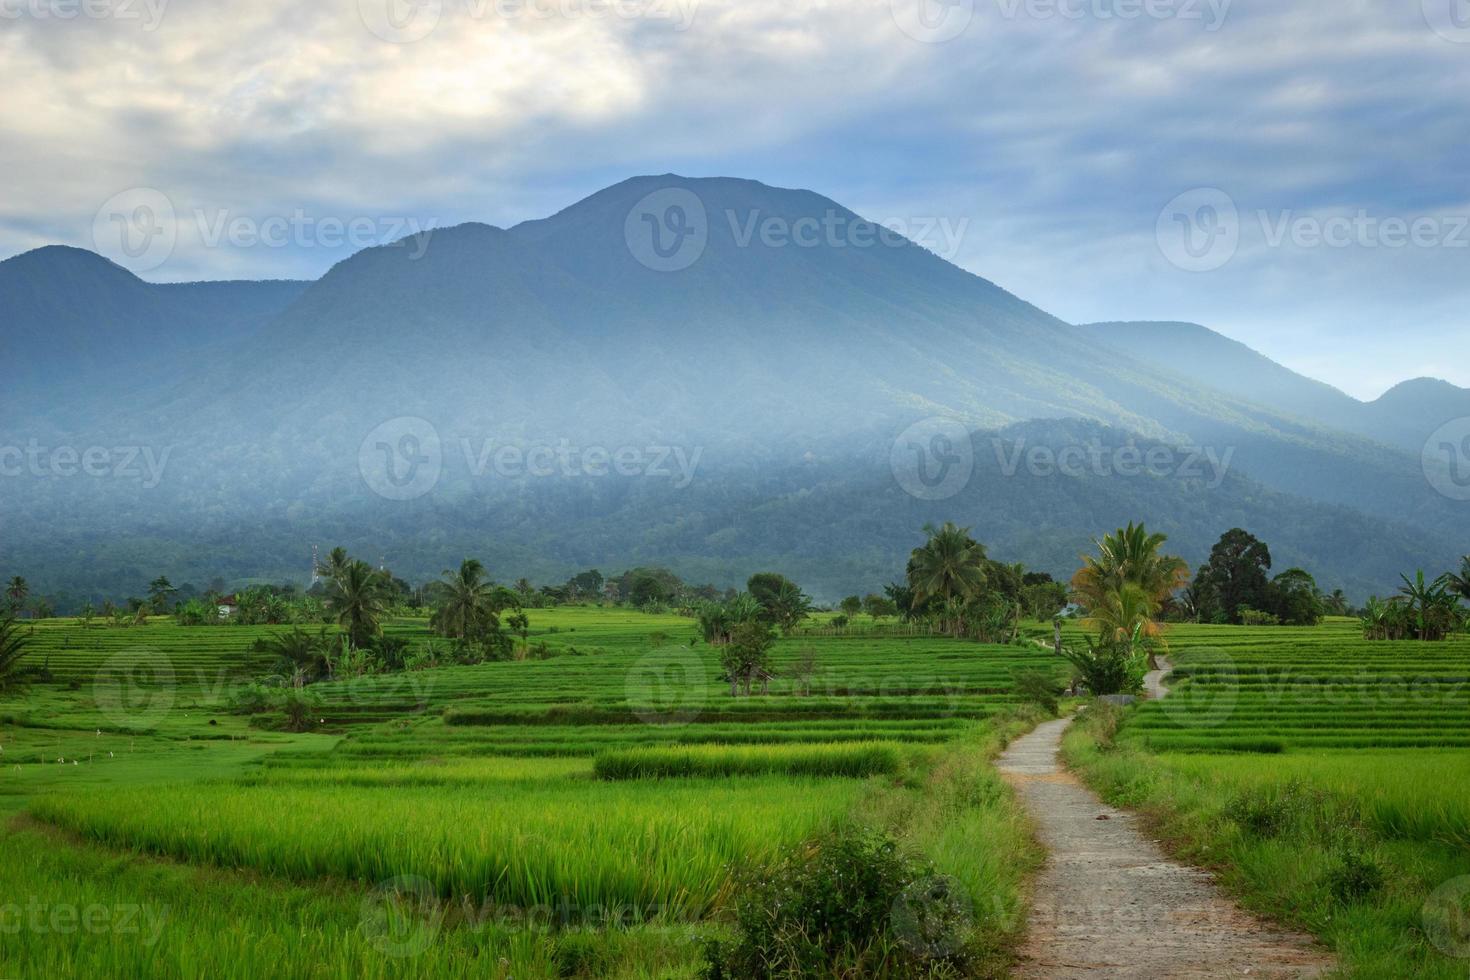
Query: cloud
{"points": [[1054, 130]]}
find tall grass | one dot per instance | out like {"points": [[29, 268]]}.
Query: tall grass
{"points": [[859, 759]]}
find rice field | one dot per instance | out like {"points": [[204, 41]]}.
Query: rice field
{"points": [[581, 813], [857, 760], [605, 791], [1324, 775]]}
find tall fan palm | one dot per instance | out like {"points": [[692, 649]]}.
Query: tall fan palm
{"points": [[359, 599], [948, 566], [12, 648]]}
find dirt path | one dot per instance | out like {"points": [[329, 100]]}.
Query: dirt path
{"points": [[1110, 903]]}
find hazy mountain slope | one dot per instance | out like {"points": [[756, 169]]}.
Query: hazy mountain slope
{"points": [[790, 368], [1403, 418], [76, 326], [840, 526], [1409, 412]]}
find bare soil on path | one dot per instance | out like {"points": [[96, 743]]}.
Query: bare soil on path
{"points": [[1111, 903]]}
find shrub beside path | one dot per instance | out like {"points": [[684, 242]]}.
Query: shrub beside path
{"points": [[1111, 903]]}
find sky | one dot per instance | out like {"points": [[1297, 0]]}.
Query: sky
{"points": [[1291, 173]]}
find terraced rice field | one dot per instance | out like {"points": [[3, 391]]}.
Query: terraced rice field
{"points": [[1275, 689], [617, 777], [1324, 775]]}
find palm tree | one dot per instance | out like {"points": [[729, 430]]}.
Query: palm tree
{"points": [[306, 656], [1432, 607], [1131, 555], [1125, 616], [358, 599], [950, 565], [1460, 583], [790, 605], [17, 590], [468, 608], [335, 566], [12, 648], [158, 592]]}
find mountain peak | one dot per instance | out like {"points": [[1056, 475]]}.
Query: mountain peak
{"points": [[63, 260]]}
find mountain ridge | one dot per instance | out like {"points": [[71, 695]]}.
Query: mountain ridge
{"points": [[761, 351]]}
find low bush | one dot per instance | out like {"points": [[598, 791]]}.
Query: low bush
{"points": [[851, 903]]}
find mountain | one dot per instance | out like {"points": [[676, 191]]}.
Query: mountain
{"points": [[75, 321], [1404, 417], [1409, 412], [772, 340]]}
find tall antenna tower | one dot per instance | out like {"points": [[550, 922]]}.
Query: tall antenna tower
{"points": [[316, 564]]}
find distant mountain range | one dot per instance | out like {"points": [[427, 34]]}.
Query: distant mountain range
{"points": [[771, 338], [1403, 417]]}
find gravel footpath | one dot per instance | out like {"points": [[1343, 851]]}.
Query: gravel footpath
{"points": [[1110, 903]]}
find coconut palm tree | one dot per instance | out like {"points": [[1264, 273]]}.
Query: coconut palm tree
{"points": [[335, 566], [307, 657], [12, 648], [1129, 556], [16, 591], [468, 607], [1460, 583], [358, 600], [950, 565]]}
